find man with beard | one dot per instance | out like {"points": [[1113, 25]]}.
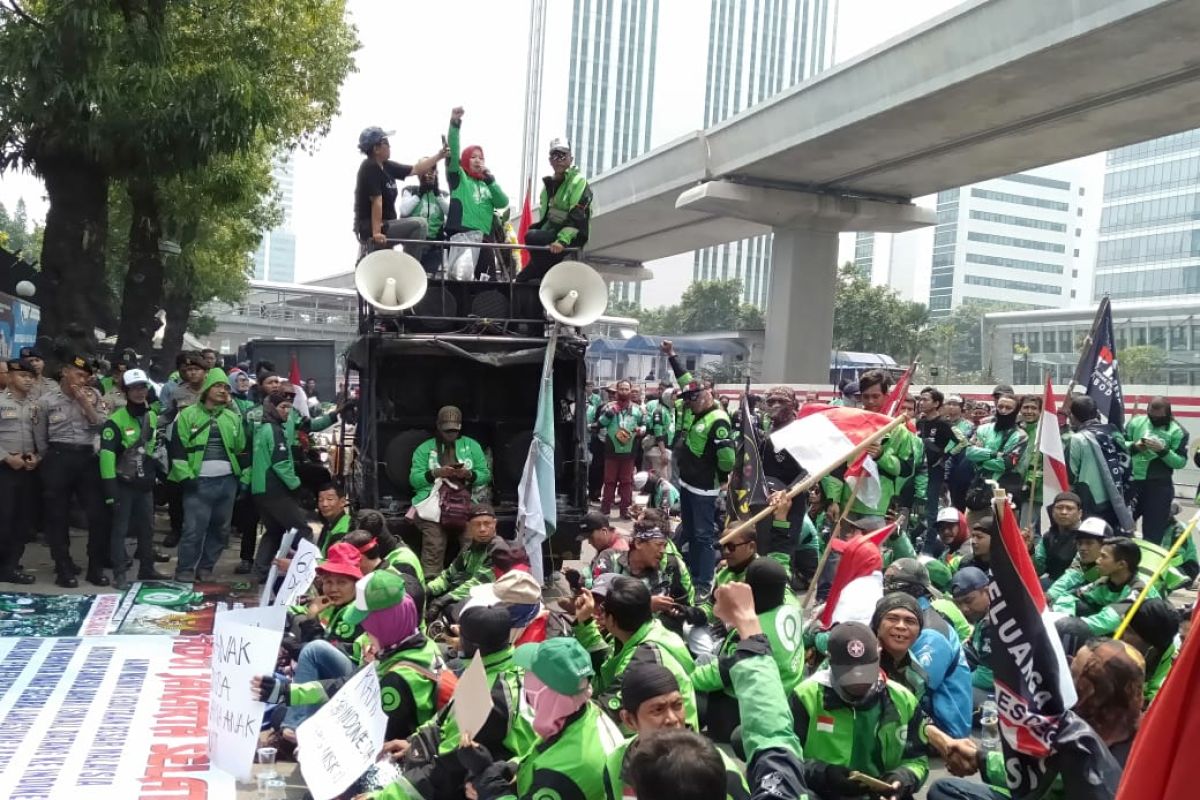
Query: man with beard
{"points": [[1098, 465], [780, 466], [997, 446]]}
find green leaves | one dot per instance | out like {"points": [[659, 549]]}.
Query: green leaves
{"points": [[705, 306]]}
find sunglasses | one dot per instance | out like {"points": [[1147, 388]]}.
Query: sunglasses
{"points": [[729, 547], [559, 155]]}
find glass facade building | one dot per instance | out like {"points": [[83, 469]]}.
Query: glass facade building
{"points": [[1149, 244], [755, 51], [275, 258]]}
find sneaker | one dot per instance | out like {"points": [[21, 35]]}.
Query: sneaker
{"points": [[148, 573], [185, 576], [96, 577]]}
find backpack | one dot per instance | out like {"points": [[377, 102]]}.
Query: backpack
{"points": [[444, 680], [455, 504]]}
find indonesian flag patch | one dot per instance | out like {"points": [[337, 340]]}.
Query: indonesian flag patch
{"points": [[824, 724]]}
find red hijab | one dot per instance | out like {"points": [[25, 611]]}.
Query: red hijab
{"points": [[464, 161]]}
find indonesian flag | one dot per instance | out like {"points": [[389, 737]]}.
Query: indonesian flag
{"points": [[1054, 463], [1160, 764], [858, 581], [825, 723], [294, 372], [526, 221], [1040, 735], [895, 399], [821, 433]]}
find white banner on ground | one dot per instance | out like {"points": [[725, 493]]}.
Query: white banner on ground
{"points": [[102, 717], [285, 547], [245, 644], [300, 574], [337, 744]]}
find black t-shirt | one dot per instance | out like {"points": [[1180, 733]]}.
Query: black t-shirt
{"points": [[376, 180]]}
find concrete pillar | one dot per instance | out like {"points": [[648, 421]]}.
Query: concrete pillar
{"points": [[800, 306]]}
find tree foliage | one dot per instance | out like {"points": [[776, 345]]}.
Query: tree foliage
{"points": [[143, 92], [18, 236], [874, 319], [705, 306], [1142, 363]]}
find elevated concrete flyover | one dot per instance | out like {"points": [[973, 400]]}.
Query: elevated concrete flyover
{"points": [[988, 89]]}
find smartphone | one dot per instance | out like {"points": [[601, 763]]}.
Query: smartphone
{"points": [[872, 784]]}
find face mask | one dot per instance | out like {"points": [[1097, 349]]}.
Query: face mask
{"points": [[551, 709]]}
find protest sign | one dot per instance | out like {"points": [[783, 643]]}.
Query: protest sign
{"points": [[472, 699], [300, 574], [102, 717], [245, 644], [285, 547], [340, 742]]}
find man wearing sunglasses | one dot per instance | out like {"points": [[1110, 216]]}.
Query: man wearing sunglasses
{"points": [[566, 212]]}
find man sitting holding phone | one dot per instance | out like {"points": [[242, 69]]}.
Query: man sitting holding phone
{"points": [[662, 571]]}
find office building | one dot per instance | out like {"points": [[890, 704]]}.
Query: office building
{"points": [[755, 51], [1149, 247], [275, 258], [1021, 240]]}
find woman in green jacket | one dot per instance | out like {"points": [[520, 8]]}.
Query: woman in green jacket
{"points": [[1158, 447], [475, 197]]}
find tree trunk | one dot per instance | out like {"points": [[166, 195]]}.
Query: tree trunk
{"points": [[178, 306], [72, 292], [143, 291]]}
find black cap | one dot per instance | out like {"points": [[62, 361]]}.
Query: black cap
{"points": [[20, 365], [485, 627], [79, 362], [30, 352], [1002, 388], [1067, 497], [768, 583], [645, 681], [853, 655], [592, 521], [481, 510], [967, 580]]}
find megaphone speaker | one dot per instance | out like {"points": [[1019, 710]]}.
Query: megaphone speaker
{"points": [[573, 293], [390, 280]]}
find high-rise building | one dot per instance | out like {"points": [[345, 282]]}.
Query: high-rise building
{"points": [[1149, 246], [610, 89], [755, 51], [1018, 240], [275, 258]]}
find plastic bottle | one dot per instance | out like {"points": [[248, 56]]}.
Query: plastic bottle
{"points": [[989, 721]]}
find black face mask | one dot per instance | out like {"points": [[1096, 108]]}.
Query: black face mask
{"points": [[1005, 421]]}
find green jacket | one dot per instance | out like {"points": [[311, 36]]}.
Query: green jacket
{"points": [[736, 787], [895, 463], [650, 643], [569, 210], [612, 418], [1155, 682], [571, 763], [272, 470], [471, 567], [662, 422], [1146, 462], [979, 656], [887, 737], [404, 559], [1102, 605], [122, 431], [425, 460], [335, 532], [1082, 467], [473, 202], [704, 448], [191, 432], [1071, 580], [671, 579], [996, 452], [783, 627]]}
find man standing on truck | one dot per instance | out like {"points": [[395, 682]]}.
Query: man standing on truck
{"points": [[704, 456], [566, 213]]}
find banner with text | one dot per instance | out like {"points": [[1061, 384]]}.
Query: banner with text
{"points": [[103, 717], [300, 575]]}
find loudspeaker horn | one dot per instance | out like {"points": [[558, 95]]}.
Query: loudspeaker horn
{"points": [[573, 293], [390, 280]]}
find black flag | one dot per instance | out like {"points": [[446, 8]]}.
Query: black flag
{"points": [[1096, 376], [747, 487]]}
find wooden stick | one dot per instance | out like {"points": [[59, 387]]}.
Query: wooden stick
{"points": [[1163, 567], [811, 480]]}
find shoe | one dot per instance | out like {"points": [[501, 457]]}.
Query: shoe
{"points": [[625, 515], [66, 580], [203, 574], [172, 539], [244, 568], [160, 557], [121, 581], [96, 577], [76, 569], [18, 575], [149, 573], [184, 576]]}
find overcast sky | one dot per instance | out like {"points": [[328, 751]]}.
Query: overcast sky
{"points": [[420, 58]]}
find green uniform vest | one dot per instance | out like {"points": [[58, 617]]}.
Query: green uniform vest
{"points": [[570, 764], [404, 555], [554, 210], [398, 666], [120, 432], [736, 787]]}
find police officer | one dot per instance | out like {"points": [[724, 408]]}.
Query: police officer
{"points": [[41, 383], [18, 459], [69, 420]]}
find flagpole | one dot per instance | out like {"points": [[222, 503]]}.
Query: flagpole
{"points": [[1163, 567], [1035, 461], [1087, 343], [811, 480], [837, 527]]}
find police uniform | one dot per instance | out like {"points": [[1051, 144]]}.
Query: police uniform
{"points": [[18, 416], [71, 469]]}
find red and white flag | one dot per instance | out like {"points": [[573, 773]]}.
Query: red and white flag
{"points": [[821, 433], [1054, 463], [858, 581], [895, 398]]}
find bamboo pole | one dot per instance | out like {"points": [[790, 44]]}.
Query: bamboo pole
{"points": [[1035, 458], [811, 480], [1163, 567], [812, 586]]}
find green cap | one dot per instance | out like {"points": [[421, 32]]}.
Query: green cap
{"points": [[375, 591], [560, 663]]}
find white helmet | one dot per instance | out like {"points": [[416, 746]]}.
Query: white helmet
{"points": [[639, 480]]}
